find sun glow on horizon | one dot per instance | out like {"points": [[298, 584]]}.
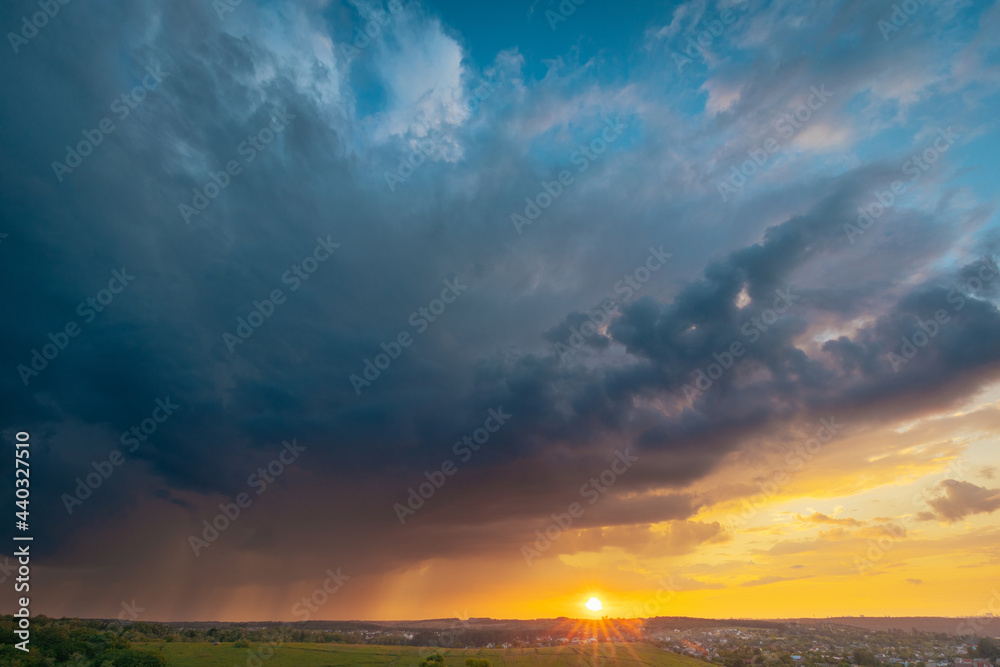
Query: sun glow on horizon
{"points": [[593, 604]]}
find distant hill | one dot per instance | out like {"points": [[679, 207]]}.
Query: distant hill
{"points": [[953, 626]]}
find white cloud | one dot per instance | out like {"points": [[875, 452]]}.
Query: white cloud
{"points": [[421, 69]]}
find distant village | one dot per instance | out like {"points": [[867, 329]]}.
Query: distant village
{"points": [[828, 645], [763, 644]]}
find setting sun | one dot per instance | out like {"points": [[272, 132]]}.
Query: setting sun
{"points": [[593, 604]]}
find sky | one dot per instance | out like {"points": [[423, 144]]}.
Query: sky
{"points": [[451, 309]]}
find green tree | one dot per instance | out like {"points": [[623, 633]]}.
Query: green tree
{"points": [[433, 660], [477, 662], [134, 658], [987, 647], [865, 658]]}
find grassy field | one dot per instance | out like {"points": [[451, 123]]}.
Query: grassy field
{"points": [[324, 655]]}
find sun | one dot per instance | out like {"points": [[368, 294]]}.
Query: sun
{"points": [[593, 604]]}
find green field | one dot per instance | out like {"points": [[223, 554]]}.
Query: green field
{"points": [[320, 655]]}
